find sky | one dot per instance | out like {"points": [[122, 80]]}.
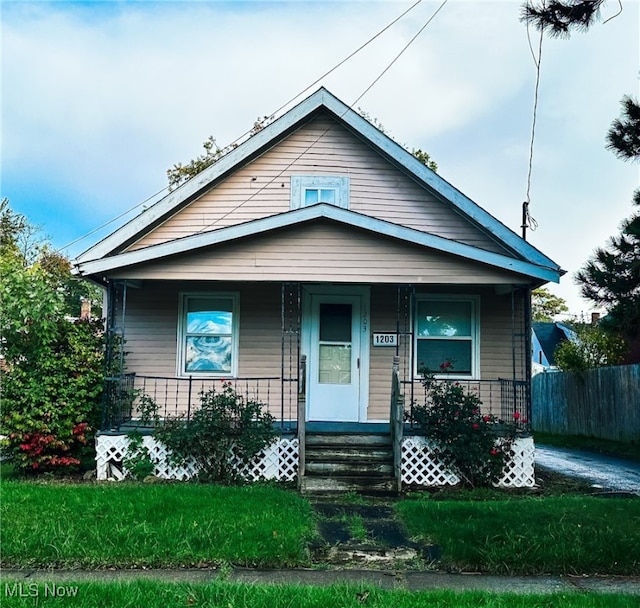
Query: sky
{"points": [[99, 99]]}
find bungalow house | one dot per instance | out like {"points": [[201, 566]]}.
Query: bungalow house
{"points": [[311, 266]]}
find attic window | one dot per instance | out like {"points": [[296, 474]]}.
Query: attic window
{"points": [[307, 190]]}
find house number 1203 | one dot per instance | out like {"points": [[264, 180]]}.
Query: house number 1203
{"points": [[385, 339]]}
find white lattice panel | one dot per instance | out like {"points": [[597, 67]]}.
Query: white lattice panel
{"points": [[420, 466], [278, 461], [520, 471]]}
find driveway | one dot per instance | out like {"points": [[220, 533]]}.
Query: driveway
{"points": [[606, 472]]}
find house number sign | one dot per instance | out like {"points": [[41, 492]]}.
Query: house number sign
{"points": [[385, 339]]}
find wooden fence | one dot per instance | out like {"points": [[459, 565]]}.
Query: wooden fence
{"points": [[602, 402]]}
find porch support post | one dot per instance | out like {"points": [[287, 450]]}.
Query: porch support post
{"points": [[396, 422], [528, 350], [302, 416]]}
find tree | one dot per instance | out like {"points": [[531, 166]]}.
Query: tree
{"points": [[179, 173], [545, 306], [559, 18], [623, 138], [25, 244], [593, 347], [52, 368], [611, 278]]}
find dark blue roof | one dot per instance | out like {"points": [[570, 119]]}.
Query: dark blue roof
{"points": [[549, 335]]}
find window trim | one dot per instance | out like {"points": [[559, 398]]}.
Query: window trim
{"points": [[474, 300], [301, 183], [182, 333]]}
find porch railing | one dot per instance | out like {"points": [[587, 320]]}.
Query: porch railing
{"points": [[124, 396], [396, 421], [508, 400]]}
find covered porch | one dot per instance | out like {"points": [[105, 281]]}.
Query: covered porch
{"points": [[376, 439], [323, 344]]}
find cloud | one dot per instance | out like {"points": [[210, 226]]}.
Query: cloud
{"points": [[100, 98]]}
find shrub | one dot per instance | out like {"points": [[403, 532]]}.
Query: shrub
{"points": [[226, 424], [465, 439], [138, 462], [51, 398]]}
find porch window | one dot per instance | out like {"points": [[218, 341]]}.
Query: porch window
{"points": [[208, 334], [307, 190], [446, 340]]}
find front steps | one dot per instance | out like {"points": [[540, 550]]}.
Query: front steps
{"points": [[353, 462]]}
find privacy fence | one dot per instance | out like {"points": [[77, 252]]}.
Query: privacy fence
{"points": [[602, 402]]}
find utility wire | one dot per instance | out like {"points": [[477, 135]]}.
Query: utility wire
{"points": [[317, 139], [241, 137], [527, 219], [400, 53]]}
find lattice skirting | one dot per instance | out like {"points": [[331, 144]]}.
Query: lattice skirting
{"points": [[420, 467], [279, 461]]}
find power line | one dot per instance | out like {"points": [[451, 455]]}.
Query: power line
{"points": [[313, 143], [400, 53], [241, 137], [527, 219]]}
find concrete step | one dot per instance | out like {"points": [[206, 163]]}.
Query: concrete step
{"points": [[347, 454], [363, 485], [348, 469]]}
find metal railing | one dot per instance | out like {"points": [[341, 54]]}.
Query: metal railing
{"points": [[507, 399], [124, 396]]}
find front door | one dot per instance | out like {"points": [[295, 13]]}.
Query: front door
{"points": [[334, 347]]}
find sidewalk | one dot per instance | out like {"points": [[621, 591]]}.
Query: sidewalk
{"points": [[385, 579]]}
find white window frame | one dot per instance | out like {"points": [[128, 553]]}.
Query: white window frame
{"points": [[475, 334], [182, 333], [301, 183]]}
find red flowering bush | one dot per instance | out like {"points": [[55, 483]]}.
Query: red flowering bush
{"points": [[51, 398], [472, 444]]}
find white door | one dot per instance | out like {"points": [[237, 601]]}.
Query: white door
{"points": [[334, 358]]}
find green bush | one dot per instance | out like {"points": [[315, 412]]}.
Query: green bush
{"points": [[226, 424], [51, 398], [465, 439], [138, 462]]}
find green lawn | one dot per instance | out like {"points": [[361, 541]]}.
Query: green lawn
{"points": [[167, 595], [130, 524], [127, 524], [560, 534]]}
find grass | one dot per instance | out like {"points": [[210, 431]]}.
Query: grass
{"points": [[560, 535], [630, 450], [130, 524], [152, 594], [98, 525]]}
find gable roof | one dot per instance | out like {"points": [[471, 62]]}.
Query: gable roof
{"points": [[549, 336], [113, 245], [306, 214]]}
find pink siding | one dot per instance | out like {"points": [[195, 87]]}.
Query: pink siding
{"points": [[152, 324], [321, 251], [321, 147]]}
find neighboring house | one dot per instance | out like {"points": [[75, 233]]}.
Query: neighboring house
{"points": [[300, 264], [545, 338]]}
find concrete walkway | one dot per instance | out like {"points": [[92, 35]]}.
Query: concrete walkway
{"points": [[606, 472], [385, 579]]}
